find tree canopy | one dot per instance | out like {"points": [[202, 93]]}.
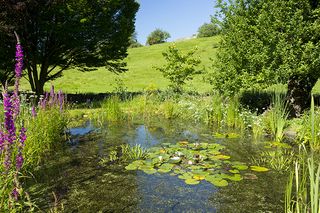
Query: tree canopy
{"points": [[208, 30], [268, 42], [157, 36], [60, 34]]}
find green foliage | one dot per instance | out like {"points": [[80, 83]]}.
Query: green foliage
{"points": [[157, 36], [60, 34], [208, 30], [111, 110], [302, 191], [276, 118], [179, 67], [44, 135], [269, 42]]}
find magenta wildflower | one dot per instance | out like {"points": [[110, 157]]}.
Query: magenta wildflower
{"points": [[19, 157], [8, 117], [15, 194], [19, 61], [33, 112], [1, 141]]}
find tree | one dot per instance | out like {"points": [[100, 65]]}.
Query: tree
{"points": [[157, 36], [268, 42], [208, 30], [134, 41], [59, 34], [6, 60], [179, 67]]}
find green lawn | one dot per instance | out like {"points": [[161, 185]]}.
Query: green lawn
{"points": [[141, 74]]}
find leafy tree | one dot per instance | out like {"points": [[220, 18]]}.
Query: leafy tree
{"points": [[134, 41], [58, 34], [179, 67], [208, 30], [157, 36], [6, 60], [268, 42]]}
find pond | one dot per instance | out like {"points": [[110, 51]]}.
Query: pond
{"points": [[76, 179]]}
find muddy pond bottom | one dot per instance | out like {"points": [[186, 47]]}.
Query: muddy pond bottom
{"points": [[74, 180]]}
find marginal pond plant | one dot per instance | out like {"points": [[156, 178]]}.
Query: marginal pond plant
{"points": [[193, 162], [276, 119], [12, 143]]}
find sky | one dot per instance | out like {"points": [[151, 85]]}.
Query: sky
{"points": [[180, 18]]}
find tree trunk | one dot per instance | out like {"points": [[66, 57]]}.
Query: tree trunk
{"points": [[299, 93]]}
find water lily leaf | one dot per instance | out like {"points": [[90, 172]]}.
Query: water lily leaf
{"points": [[240, 167], [185, 176], [191, 181], [235, 177], [222, 157], [198, 177], [149, 171], [219, 135], [215, 180], [183, 143], [234, 171], [131, 167], [259, 169], [175, 160], [232, 135]]}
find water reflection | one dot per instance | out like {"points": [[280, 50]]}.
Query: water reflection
{"points": [[88, 187]]}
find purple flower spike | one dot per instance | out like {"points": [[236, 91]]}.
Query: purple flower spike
{"points": [[33, 112], [19, 61], [8, 118]]}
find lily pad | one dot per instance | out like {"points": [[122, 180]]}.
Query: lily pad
{"points": [[259, 169], [192, 181], [234, 171], [235, 177], [150, 171], [240, 167], [199, 177], [222, 157], [217, 181], [131, 167]]}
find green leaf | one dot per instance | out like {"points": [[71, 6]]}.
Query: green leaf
{"points": [[259, 169], [191, 181]]}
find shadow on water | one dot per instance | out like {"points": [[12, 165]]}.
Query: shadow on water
{"points": [[83, 185]]}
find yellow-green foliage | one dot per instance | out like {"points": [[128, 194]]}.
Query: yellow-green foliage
{"points": [[44, 134], [111, 109]]}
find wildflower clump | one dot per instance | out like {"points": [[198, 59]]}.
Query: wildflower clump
{"points": [[12, 142]]}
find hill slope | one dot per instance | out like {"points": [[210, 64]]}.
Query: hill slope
{"points": [[141, 74]]}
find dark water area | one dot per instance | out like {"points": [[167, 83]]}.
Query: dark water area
{"points": [[81, 184]]}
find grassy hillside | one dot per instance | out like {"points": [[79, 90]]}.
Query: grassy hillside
{"points": [[141, 74]]}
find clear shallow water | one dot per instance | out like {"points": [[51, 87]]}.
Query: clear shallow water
{"points": [[82, 185]]}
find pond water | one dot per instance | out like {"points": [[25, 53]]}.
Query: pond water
{"points": [[81, 184]]}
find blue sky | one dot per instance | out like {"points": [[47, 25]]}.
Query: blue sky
{"points": [[181, 18]]}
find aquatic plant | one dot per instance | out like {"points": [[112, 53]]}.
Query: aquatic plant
{"points": [[111, 109], [193, 162], [276, 118], [308, 131], [12, 145], [279, 160], [302, 191], [125, 152]]}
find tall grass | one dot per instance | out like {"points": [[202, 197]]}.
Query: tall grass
{"points": [[45, 134], [111, 109], [305, 178], [276, 119]]}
